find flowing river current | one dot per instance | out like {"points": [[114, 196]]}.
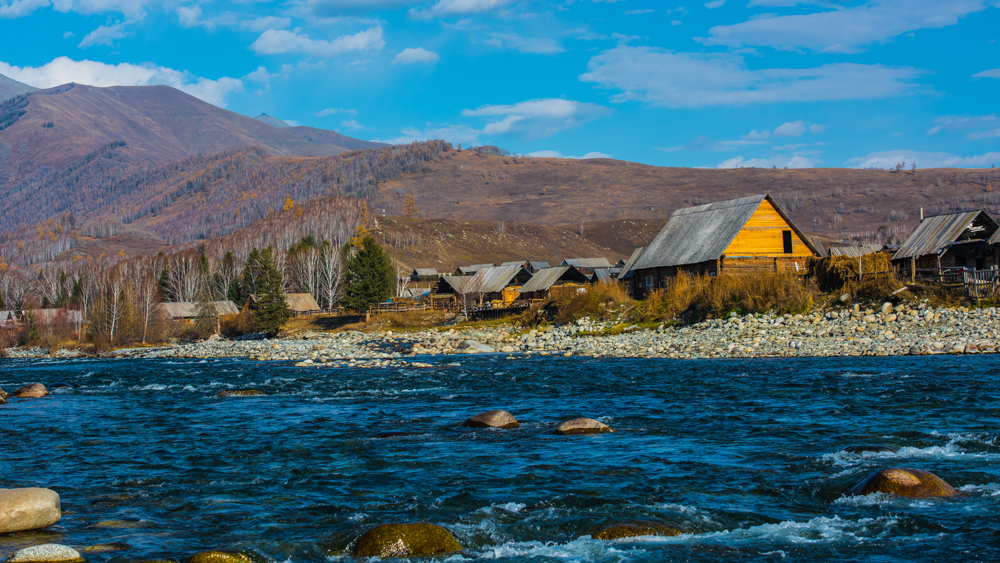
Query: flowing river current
{"points": [[746, 457]]}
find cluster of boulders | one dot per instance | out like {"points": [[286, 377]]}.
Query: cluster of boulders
{"points": [[504, 420]]}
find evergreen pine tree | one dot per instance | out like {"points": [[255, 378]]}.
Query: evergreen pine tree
{"points": [[271, 310], [369, 277]]}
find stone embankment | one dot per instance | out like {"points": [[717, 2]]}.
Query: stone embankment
{"points": [[886, 331]]}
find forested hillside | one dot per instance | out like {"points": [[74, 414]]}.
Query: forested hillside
{"points": [[104, 194]]}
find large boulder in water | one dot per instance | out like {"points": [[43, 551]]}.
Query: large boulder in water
{"points": [[46, 553], [582, 426], [905, 482], [405, 540], [618, 530], [32, 391], [3, 394], [492, 419], [223, 556], [241, 393], [28, 509]]}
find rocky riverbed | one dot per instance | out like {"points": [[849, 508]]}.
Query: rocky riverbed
{"points": [[889, 330]]}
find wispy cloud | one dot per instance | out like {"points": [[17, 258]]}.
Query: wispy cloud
{"points": [[104, 35], [275, 41], [534, 119], [672, 79], [412, 55], [975, 126], [536, 45], [778, 161], [557, 154], [843, 29], [331, 111], [924, 159]]}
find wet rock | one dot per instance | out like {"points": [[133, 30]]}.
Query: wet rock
{"points": [[223, 556], [618, 530], [156, 561], [492, 419], [582, 426], [28, 509], [868, 448], [107, 547], [60, 385], [240, 393], [46, 553], [474, 347], [3, 394], [905, 482], [117, 524], [405, 540], [32, 391]]}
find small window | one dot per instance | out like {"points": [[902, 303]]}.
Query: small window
{"points": [[649, 281], [786, 237]]}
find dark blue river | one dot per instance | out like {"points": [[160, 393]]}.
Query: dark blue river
{"points": [[744, 456]]}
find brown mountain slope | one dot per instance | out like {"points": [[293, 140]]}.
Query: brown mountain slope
{"points": [[10, 88], [835, 201], [160, 124]]}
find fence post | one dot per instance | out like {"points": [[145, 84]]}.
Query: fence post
{"points": [[913, 269]]}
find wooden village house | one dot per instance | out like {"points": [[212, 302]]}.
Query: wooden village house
{"points": [[965, 239], [743, 235], [547, 283]]}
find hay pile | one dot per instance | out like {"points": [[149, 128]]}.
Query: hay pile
{"points": [[835, 272]]}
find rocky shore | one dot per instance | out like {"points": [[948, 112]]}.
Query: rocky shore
{"points": [[889, 330]]}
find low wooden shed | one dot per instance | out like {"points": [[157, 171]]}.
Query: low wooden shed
{"points": [[960, 240]]}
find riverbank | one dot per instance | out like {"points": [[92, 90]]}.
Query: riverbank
{"points": [[886, 331]]}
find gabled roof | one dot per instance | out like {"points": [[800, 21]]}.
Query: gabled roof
{"points": [[543, 280], [297, 302], [452, 284], [469, 270], [587, 262], [703, 233], [935, 233], [494, 279], [538, 265], [190, 310], [514, 263], [855, 251], [626, 272], [603, 275], [818, 244], [425, 272]]}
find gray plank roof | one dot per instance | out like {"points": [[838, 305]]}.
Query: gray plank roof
{"points": [[702, 233], [494, 279], [543, 280], [190, 310], [603, 275], [538, 265], [587, 262], [455, 283], [855, 251], [935, 233], [425, 271], [630, 263]]}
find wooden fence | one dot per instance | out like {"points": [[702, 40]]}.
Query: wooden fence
{"points": [[981, 284]]}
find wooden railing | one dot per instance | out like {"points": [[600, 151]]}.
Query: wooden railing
{"points": [[981, 284]]}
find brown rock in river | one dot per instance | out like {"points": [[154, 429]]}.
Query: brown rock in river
{"points": [[3, 394], [32, 391], [914, 483], [582, 426], [240, 393], [492, 419], [618, 530], [28, 509], [223, 556], [405, 540]]}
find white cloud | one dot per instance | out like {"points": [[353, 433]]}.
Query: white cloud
{"points": [[331, 111], [703, 143], [334, 8], [992, 73], [666, 78], [412, 55], [780, 161], [458, 7], [715, 4], [817, 128], [63, 70], [534, 119], [976, 126], [790, 129], [536, 45], [274, 41], [844, 29], [20, 8], [265, 23], [189, 16], [104, 35], [638, 12], [888, 159], [675, 22], [452, 133], [134, 9], [352, 125]]}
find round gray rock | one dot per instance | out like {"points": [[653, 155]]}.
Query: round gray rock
{"points": [[28, 509], [32, 391], [583, 426], [492, 419], [46, 553]]}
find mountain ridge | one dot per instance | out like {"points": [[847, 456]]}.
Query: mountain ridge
{"points": [[10, 88]]}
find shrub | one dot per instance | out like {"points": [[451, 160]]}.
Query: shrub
{"points": [[705, 296], [603, 300], [232, 326], [835, 272]]}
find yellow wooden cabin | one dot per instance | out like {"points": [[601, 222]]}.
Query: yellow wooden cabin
{"points": [[737, 236]]}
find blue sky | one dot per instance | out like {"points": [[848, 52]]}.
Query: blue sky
{"points": [[723, 83]]}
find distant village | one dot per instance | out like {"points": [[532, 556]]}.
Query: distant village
{"points": [[741, 236]]}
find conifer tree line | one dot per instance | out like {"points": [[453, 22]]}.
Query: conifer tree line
{"points": [[304, 248]]}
